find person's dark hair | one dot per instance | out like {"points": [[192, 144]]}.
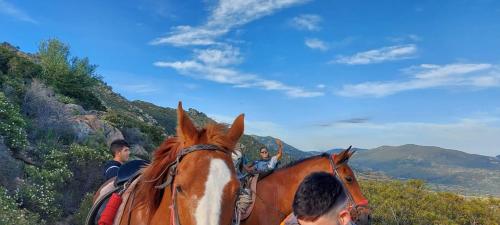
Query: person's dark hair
{"points": [[263, 147], [117, 145], [317, 194]]}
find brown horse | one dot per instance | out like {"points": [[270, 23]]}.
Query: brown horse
{"points": [[201, 188], [275, 192]]}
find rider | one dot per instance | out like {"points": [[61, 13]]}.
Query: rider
{"points": [[120, 150], [266, 163], [320, 200]]}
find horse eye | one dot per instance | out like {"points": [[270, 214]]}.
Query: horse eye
{"points": [[179, 189], [348, 179]]}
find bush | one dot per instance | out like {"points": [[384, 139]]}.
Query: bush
{"points": [[398, 202], [74, 77], [12, 125], [154, 135], [84, 209], [11, 214], [86, 164], [42, 193]]}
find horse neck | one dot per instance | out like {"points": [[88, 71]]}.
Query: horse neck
{"points": [[283, 183]]}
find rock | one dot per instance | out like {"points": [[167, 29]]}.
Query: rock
{"points": [[74, 109], [11, 169], [138, 150], [87, 125]]}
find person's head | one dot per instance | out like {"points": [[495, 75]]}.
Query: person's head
{"points": [[120, 150], [264, 154], [321, 200]]}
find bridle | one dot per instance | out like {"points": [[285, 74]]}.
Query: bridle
{"points": [[171, 170], [355, 207]]}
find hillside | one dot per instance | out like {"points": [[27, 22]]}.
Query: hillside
{"points": [[290, 153], [448, 169], [443, 169], [57, 118]]}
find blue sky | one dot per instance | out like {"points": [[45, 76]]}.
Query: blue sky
{"points": [[318, 74]]}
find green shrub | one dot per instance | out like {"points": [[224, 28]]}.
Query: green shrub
{"points": [[10, 213], [12, 125], [42, 193], [154, 133], [81, 215], [398, 202], [74, 78]]}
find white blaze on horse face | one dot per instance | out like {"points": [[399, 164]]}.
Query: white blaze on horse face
{"points": [[209, 205]]}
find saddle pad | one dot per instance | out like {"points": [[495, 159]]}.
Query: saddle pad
{"points": [[253, 187], [125, 198], [100, 199]]}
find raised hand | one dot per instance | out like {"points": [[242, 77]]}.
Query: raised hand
{"points": [[280, 148]]}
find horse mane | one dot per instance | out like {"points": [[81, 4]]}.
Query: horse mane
{"points": [[294, 163], [150, 197], [344, 156]]}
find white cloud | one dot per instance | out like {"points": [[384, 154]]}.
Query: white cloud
{"points": [[11, 10], [236, 78], [391, 53], [226, 15], [405, 38], [321, 86], [227, 55], [430, 76], [215, 61], [307, 22], [315, 43]]}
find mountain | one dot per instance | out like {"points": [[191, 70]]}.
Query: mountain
{"points": [[460, 171], [443, 169], [270, 143], [337, 150]]}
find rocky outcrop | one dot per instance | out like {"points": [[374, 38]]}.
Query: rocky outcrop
{"points": [[87, 125], [10, 169]]}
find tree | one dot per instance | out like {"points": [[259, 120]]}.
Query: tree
{"points": [[74, 78]]}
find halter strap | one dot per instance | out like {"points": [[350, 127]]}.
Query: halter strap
{"points": [[335, 172], [171, 170]]}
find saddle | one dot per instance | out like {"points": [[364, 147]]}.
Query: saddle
{"points": [[245, 205], [126, 178]]}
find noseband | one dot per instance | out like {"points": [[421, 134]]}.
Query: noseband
{"points": [[171, 171]]}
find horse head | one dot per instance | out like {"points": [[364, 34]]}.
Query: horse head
{"points": [[359, 208], [202, 187]]}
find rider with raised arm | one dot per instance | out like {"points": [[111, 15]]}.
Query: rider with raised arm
{"points": [[266, 163]]}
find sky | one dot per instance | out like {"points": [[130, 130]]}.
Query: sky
{"points": [[319, 74]]}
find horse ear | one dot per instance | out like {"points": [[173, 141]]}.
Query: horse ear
{"points": [[343, 155], [185, 127], [237, 128], [350, 152]]}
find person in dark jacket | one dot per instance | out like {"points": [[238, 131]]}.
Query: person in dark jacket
{"points": [[120, 151]]}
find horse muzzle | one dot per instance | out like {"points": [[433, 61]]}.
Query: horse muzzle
{"points": [[361, 215]]}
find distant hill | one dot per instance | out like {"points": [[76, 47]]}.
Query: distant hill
{"points": [[463, 172], [443, 169], [270, 143], [337, 150]]}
